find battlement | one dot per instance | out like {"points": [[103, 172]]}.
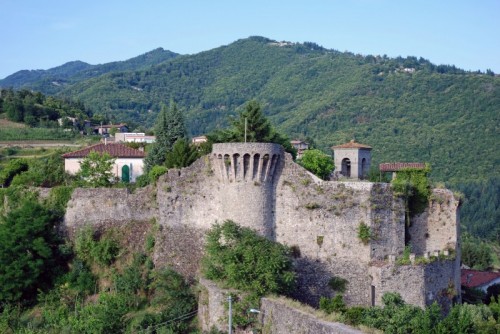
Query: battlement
{"points": [[247, 162]]}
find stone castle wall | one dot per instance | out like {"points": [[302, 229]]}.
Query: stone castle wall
{"points": [[259, 186], [275, 315]]}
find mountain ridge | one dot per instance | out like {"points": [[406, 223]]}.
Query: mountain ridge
{"points": [[78, 70], [408, 109]]}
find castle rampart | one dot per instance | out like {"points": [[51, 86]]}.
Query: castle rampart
{"points": [[246, 174], [257, 185]]}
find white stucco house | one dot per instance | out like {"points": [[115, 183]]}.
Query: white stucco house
{"points": [[129, 163]]}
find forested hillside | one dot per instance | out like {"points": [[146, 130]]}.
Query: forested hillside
{"points": [[58, 78], [407, 109]]}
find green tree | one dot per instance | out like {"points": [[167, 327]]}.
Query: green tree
{"points": [[182, 155], [317, 163], [168, 129], [28, 249], [95, 170], [244, 260], [258, 128], [476, 254], [252, 126]]}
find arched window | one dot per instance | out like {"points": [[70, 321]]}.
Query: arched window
{"points": [[364, 171], [346, 167], [256, 162], [246, 165]]}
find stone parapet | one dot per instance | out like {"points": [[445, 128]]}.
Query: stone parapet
{"points": [[240, 162]]}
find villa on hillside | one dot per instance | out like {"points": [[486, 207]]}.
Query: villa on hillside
{"points": [[129, 163]]}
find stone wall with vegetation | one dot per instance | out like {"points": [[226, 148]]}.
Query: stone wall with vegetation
{"points": [[104, 207], [335, 229], [438, 227], [276, 315], [419, 284], [279, 318]]}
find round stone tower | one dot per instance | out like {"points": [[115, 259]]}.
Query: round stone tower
{"points": [[248, 174]]}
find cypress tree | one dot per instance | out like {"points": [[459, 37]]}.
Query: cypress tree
{"points": [[169, 127]]}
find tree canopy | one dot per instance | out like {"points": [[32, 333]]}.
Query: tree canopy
{"points": [[251, 125], [317, 163], [169, 127], [96, 170], [28, 245], [244, 260]]}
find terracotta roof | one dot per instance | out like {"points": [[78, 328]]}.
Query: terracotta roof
{"points": [[115, 150], [352, 144], [395, 166], [475, 278]]}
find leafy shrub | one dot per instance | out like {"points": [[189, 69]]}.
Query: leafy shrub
{"points": [[354, 315], [330, 305], [413, 184], [244, 260], [337, 284], [88, 249], [105, 250], [80, 278], [103, 316], [58, 199], [317, 163], [142, 180], [156, 172], [364, 233], [405, 257], [132, 279], [13, 168]]}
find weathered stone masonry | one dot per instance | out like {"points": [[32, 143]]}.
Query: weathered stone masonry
{"points": [[259, 186]]}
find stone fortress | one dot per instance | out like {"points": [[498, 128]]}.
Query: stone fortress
{"points": [[258, 185]]}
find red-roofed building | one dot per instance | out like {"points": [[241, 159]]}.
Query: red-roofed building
{"points": [[395, 167], [129, 163], [477, 279]]}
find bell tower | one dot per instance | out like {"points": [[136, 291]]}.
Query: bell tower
{"points": [[352, 160]]}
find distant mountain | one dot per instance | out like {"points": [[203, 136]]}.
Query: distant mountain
{"points": [[408, 109], [56, 79], [28, 78]]}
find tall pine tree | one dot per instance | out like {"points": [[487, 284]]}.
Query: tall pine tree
{"points": [[258, 129], [169, 127]]}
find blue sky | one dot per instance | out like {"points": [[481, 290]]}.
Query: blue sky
{"points": [[38, 34]]}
